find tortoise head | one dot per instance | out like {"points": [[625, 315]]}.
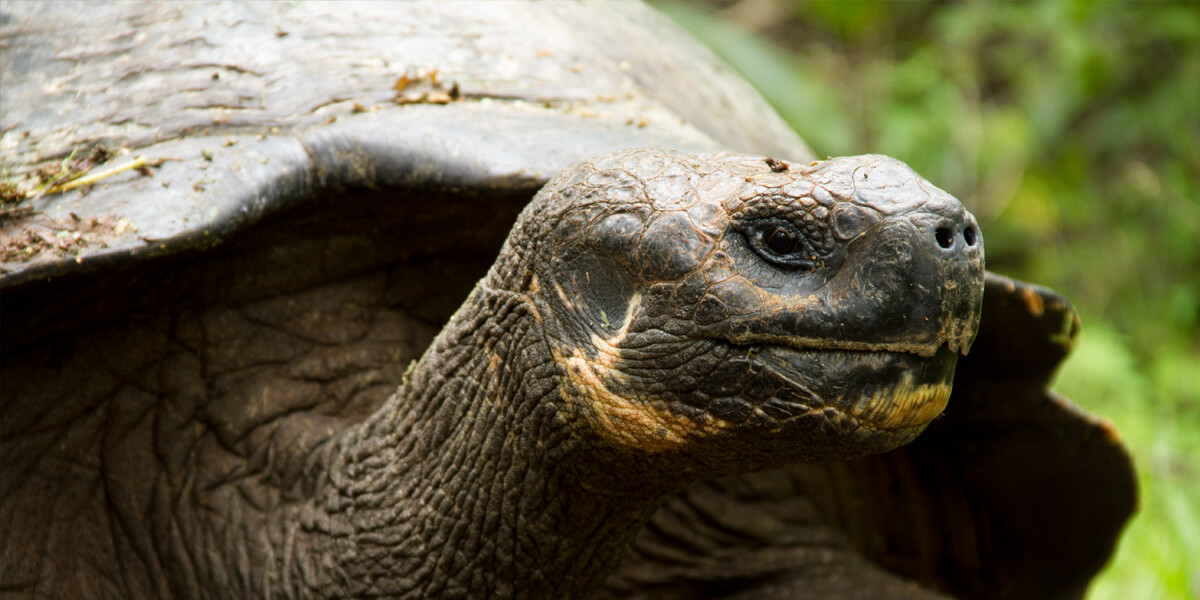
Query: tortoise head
{"points": [[748, 313]]}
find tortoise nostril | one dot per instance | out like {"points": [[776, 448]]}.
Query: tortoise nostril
{"points": [[969, 236], [944, 236]]}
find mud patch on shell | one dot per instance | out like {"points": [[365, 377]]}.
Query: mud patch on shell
{"points": [[42, 237], [1033, 302]]}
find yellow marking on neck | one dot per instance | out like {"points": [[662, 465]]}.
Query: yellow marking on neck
{"points": [[495, 369], [608, 349], [534, 287], [622, 422], [562, 295]]}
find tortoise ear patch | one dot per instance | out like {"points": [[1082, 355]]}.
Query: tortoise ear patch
{"points": [[617, 235], [850, 220], [672, 247]]}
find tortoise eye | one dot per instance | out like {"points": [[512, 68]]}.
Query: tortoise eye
{"points": [[780, 240]]}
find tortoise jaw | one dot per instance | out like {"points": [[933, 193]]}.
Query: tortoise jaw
{"points": [[807, 344], [879, 390], [907, 404]]}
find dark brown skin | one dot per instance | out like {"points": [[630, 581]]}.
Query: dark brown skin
{"points": [[767, 535], [654, 318], [985, 504]]}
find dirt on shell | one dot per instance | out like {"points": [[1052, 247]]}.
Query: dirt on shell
{"points": [[34, 236]]}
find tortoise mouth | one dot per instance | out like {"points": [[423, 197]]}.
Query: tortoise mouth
{"points": [[877, 389], [929, 348]]}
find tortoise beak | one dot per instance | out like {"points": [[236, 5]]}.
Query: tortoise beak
{"points": [[912, 283]]}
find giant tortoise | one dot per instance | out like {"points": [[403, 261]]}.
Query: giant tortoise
{"points": [[245, 354]]}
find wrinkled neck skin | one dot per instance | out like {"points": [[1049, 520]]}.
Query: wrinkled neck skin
{"points": [[469, 482]]}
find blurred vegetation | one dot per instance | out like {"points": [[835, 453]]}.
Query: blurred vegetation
{"points": [[1072, 130]]}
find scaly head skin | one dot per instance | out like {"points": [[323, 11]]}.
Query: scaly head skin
{"points": [[653, 318], [743, 314]]}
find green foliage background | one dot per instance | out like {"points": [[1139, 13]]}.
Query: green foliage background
{"points": [[1072, 130]]}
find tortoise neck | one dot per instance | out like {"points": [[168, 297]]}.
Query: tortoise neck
{"points": [[471, 480]]}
